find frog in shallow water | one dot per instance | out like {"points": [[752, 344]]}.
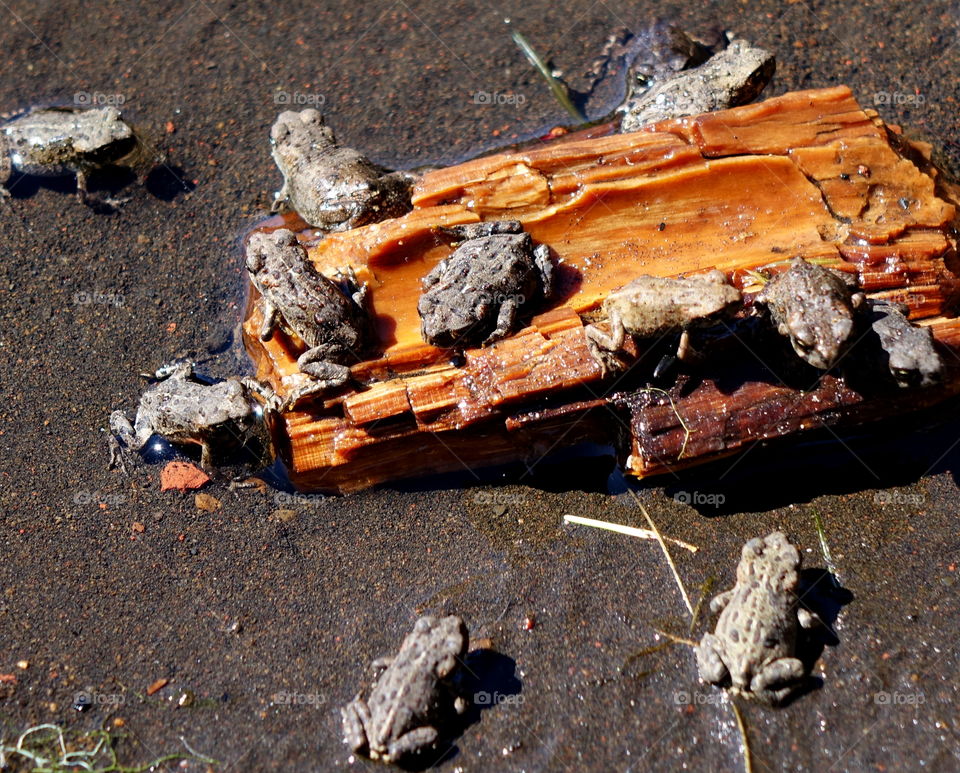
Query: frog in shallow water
{"points": [[754, 645], [476, 294], [332, 321], [414, 693], [60, 141], [332, 187], [911, 356], [186, 409], [734, 76], [815, 308], [653, 306]]}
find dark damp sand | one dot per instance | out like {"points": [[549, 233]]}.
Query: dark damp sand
{"points": [[92, 603]]}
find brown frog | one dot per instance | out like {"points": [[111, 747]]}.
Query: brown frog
{"points": [[334, 324], [755, 642], [653, 306], [413, 694], [332, 187], [815, 308]]}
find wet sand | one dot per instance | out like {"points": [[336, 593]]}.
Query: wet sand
{"points": [[108, 584]]}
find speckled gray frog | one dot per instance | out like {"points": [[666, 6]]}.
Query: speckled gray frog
{"points": [[55, 141], [911, 356], [332, 323], [413, 695], [815, 308], [476, 294], [653, 306], [333, 188], [184, 409], [754, 646]]}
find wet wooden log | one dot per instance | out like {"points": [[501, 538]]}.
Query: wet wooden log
{"points": [[807, 174]]}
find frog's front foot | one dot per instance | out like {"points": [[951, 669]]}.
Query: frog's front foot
{"points": [[602, 347]]}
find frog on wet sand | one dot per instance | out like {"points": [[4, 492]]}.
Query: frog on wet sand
{"points": [[754, 646], [184, 408], [413, 695], [60, 141]]}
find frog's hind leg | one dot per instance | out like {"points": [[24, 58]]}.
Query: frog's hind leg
{"points": [[356, 719], [411, 742], [711, 665], [778, 679], [123, 441], [322, 376]]}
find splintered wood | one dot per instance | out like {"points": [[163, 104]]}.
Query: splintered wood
{"points": [[807, 174]]}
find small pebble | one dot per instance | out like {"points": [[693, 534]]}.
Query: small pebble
{"points": [[206, 503]]}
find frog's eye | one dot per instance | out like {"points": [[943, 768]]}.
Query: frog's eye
{"points": [[770, 642]]}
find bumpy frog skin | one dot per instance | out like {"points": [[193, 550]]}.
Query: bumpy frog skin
{"points": [[334, 325], [412, 694], [54, 142], [911, 356], [653, 306], [183, 409], [732, 77], [754, 645], [331, 187], [815, 308], [476, 294]]}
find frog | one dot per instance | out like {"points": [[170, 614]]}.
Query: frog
{"points": [[60, 141], [332, 187], [734, 76], [911, 358], [413, 693], [654, 306], [476, 294], [754, 646], [183, 408], [329, 317], [815, 307]]}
